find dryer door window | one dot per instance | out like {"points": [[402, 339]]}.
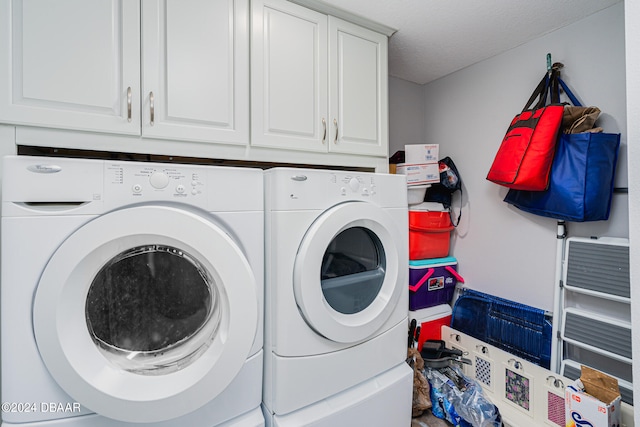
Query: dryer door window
{"points": [[353, 270], [350, 271], [152, 309]]}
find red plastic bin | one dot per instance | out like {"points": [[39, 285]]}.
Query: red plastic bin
{"points": [[429, 234], [431, 321]]}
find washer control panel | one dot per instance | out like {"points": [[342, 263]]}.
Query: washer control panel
{"points": [[154, 181]]}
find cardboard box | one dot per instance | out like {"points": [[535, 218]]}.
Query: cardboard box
{"points": [[421, 153], [418, 174], [594, 400]]}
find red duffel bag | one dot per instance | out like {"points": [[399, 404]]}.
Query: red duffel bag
{"points": [[523, 161]]}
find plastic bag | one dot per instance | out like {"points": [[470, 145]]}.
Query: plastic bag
{"points": [[442, 192], [421, 395], [459, 400]]}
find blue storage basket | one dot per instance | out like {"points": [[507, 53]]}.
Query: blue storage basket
{"points": [[513, 327]]}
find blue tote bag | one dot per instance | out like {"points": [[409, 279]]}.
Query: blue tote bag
{"points": [[581, 178]]}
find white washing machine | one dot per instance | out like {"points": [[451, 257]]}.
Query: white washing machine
{"points": [[132, 294], [336, 299]]}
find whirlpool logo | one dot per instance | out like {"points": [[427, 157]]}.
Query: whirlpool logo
{"points": [[579, 422], [44, 168]]}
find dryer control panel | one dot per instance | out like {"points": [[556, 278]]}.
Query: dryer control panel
{"points": [[292, 188], [363, 185]]}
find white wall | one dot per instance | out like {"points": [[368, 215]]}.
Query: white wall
{"points": [[406, 114], [500, 249], [632, 37]]}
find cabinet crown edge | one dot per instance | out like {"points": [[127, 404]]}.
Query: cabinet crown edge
{"points": [[328, 9]]}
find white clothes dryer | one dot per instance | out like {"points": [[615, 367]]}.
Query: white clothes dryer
{"points": [[336, 299], [131, 294]]}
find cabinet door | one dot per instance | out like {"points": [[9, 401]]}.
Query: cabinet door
{"points": [[70, 64], [288, 76], [196, 70], [358, 90]]}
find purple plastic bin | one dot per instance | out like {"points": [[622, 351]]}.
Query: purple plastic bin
{"points": [[432, 282]]}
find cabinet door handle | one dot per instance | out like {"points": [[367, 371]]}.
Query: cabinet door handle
{"points": [[151, 108], [129, 97], [324, 126], [335, 123]]}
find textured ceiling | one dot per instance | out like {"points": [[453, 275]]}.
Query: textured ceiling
{"points": [[437, 37]]}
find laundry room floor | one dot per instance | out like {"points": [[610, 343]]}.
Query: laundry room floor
{"points": [[429, 420]]}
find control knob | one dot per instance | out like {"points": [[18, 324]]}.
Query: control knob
{"points": [[159, 180], [354, 184]]}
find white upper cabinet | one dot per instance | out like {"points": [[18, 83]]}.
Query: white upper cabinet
{"points": [[288, 76], [257, 80], [358, 91], [174, 69], [195, 70], [71, 64], [318, 83]]}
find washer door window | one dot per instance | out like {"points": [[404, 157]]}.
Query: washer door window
{"points": [[347, 274], [146, 314], [153, 309]]}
